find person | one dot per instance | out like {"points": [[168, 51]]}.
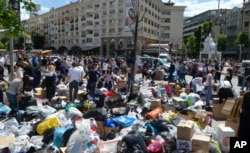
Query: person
{"points": [[183, 72], [246, 73], [225, 90], [18, 71], [171, 71], [144, 70], [92, 80], [217, 73], [108, 79], [99, 95], [229, 76], [244, 124], [75, 76], [197, 81], [13, 91], [49, 82], [209, 86]]}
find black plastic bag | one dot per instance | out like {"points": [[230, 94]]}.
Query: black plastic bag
{"points": [[57, 104], [170, 140], [66, 136], [160, 125], [48, 136], [134, 142], [97, 115]]}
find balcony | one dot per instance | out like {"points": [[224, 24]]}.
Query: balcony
{"points": [[89, 26], [89, 10], [89, 18]]}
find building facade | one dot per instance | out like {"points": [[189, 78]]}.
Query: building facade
{"points": [[104, 26], [234, 26], [217, 17]]}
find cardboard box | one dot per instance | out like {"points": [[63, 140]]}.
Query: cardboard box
{"points": [[216, 100], [224, 134], [40, 93], [185, 130], [186, 117], [234, 124], [168, 107], [228, 107], [107, 130], [201, 118], [6, 140], [184, 144], [100, 124], [217, 107], [155, 103], [200, 142]]}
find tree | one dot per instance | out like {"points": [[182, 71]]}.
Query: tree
{"points": [[38, 41], [197, 35], [138, 17], [242, 38], [222, 42], [192, 44], [206, 28], [9, 18], [19, 43]]}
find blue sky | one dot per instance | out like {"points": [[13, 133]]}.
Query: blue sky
{"points": [[193, 7]]}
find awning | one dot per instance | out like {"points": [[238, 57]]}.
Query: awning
{"points": [[87, 48], [46, 51]]}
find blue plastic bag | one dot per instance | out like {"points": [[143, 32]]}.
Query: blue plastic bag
{"points": [[124, 121], [4, 110], [110, 123], [58, 134]]}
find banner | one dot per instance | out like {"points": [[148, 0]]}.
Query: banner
{"points": [[130, 14], [16, 7]]}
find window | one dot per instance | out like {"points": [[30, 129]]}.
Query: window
{"points": [[96, 23], [120, 11], [96, 16], [97, 6], [89, 40], [112, 12], [246, 24], [112, 21]]}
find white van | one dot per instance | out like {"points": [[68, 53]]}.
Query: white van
{"points": [[166, 57], [152, 61]]}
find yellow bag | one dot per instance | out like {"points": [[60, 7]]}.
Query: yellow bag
{"points": [[47, 124]]}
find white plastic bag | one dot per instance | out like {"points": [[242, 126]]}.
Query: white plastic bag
{"points": [[46, 111], [22, 144]]}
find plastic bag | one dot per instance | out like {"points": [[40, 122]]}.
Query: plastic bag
{"points": [[73, 113], [110, 123], [58, 135], [154, 113], [21, 145], [134, 142], [4, 109], [160, 125], [46, 111], [97, 115], [124, 121], [47, 124]]}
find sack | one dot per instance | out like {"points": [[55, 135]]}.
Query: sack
{"points": [[114, 100], [154, 113], [88, 105], [4, 109], [47, 124], [124, 121], [57, 104], [110, 123], [58, 135]]}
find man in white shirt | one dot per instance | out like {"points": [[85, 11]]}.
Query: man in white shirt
{"points": [[75, 76]]}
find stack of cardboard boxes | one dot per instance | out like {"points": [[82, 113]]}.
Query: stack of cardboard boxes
{"points": [[188, 140]]}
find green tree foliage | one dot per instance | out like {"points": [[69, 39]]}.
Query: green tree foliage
{"points": [[197, 35], [9, 18], [38, 41], [19, 43], [222, 42], [206, 28], [242, 38], [192, 45]]}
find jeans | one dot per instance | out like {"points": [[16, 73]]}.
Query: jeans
{"points": [[73, 85], [194, 88], [208, 95], [12, 100], [244, 84], [91, 88]]}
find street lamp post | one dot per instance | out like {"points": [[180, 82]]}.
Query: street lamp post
{"points": [[241, 46]]}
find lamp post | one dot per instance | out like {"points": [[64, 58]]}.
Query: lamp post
{"points": [[241, 46]]}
